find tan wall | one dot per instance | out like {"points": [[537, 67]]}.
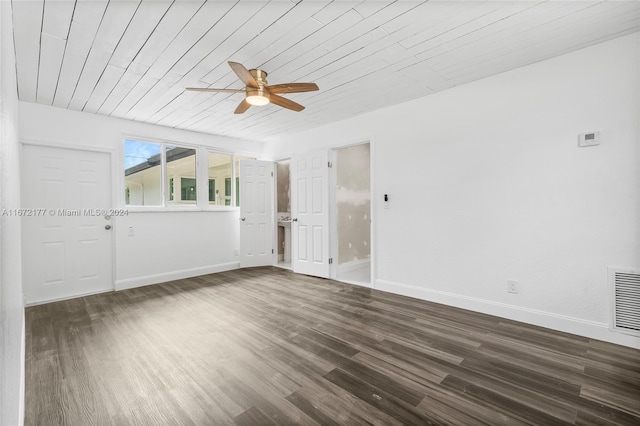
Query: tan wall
{"points": [[284, 192], [353, 196]]}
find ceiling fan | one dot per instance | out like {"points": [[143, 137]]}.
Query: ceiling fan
{"points": [[258, 92]]}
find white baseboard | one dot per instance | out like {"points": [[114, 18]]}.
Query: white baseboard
{"points": [[353, 265], [67, 297], [567, 324], [174, 275]]}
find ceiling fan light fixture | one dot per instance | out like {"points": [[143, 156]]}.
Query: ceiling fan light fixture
{"points": [[257, 97]]}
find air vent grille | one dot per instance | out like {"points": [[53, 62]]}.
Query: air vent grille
{"points": [[626, 288]]}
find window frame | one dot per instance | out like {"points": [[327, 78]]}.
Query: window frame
{"points": [[201, 176]]}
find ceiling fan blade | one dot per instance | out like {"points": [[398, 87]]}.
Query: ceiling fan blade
{"points": [[209, 89], [243, 74], [244, 105], [292, 88], [285, 103]]}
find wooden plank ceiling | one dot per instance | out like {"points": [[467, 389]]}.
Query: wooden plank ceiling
{"points": [[133, 59]]}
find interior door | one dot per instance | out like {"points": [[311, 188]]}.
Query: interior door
{"points": [[67, 246], [310, 213], [256, 213]]}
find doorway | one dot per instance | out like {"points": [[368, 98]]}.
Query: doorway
{"points": [[283, 212], [67, 237], [351, 210]]}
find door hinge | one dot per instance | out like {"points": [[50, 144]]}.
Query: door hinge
{"points": [[271, 251], [329, 164], [330, 260], [271, 174]]}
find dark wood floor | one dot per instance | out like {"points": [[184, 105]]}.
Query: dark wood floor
{"points": [[265, 346]]}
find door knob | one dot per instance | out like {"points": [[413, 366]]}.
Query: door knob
{"points": [[243, 219], [107, 227], [295, 219]]}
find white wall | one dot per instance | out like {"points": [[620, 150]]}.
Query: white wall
{"points": [[487, 184], [11, 303], [166, 245]]}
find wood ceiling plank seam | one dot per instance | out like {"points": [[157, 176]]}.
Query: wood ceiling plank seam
{"points": [[370, 27], [278, 30], [368, 8], [295, 51], [182, 114], [333, 10], [125, 85], [109, 78], [456, 15], [404, 20], [353, 58], [526, 39], [39, 51], [143, 25], [498, 44], [66, 43], [110, 74], [194, 101], [517, 40], [179, 14], [351, 73], [339, 98], [363, 84], [258, 23], [305, 72], [56, 22], [97, 100], [52, 53], [382, 16], [277, 12], [485, 22], [474, 46], [102, 48], [450, 34], [288, 40], [335, 26], [143, 86], [224, 109], [28, 34], [489, 68], [271, 33], [234, 23], [194, 31], [156, 98], [82, 32]]}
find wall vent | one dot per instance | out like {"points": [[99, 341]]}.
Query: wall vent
{"points": [[625, 283]]}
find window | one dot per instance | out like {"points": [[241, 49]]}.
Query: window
{"points": [[219, 169], [181, 173], [238, 158], [142, 173], [149, 164]]}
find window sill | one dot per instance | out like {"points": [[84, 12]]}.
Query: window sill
{"points": [[138, 209]]}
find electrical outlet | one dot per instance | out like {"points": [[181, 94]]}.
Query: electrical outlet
{"points": [[512, 286], [236, 252]]}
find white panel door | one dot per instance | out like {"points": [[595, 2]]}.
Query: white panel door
{"points": [[256, 213], [66, 244], [310, 213]]}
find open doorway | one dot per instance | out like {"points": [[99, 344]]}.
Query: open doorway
{"points": [[283, 212], [352, 213]]}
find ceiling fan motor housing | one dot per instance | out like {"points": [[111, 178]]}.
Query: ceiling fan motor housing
{"points": [[258, 96]]}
